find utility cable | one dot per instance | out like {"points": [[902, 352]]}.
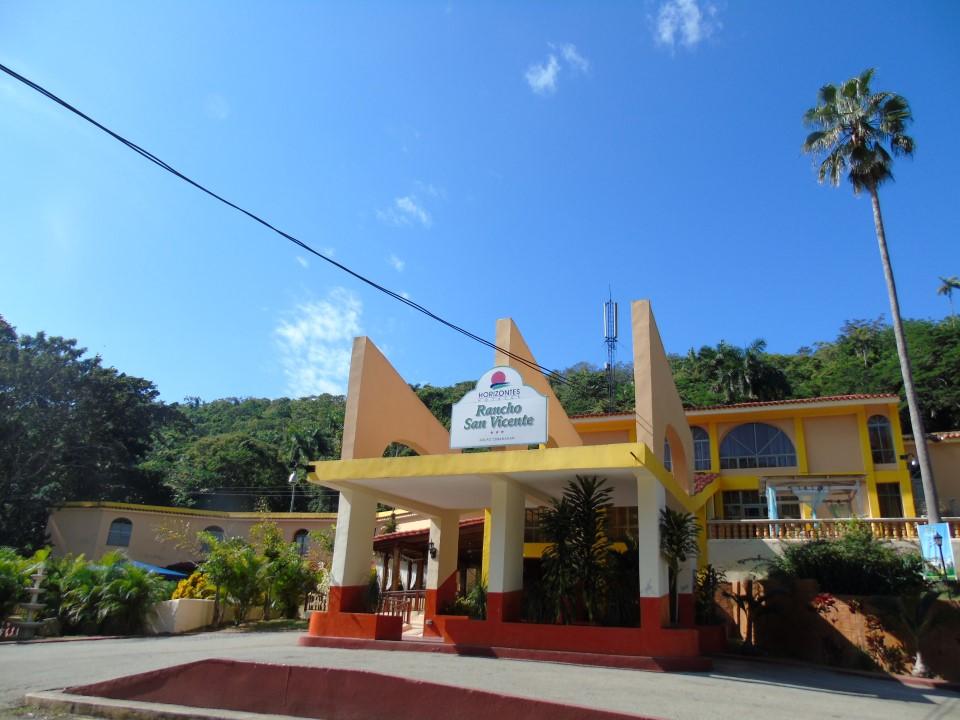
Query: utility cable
{"points": [[551, 374]]}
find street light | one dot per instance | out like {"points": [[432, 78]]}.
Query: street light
{"points": [[293, 485], [938, 541]]}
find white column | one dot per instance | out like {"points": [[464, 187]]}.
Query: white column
{"points": [[353, 544], [505, 576], [651, 498], [445, 536]]}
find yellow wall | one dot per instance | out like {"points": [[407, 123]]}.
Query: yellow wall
{"points": [[83, 528], [945, 458], [833, 444]]}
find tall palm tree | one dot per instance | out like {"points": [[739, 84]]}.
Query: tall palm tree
{"points": [[949, 285], [853, 127]]}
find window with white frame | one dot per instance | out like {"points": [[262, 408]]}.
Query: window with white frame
{"points": [[881, 440], [120, 531], [701, 448], [756, 445]]}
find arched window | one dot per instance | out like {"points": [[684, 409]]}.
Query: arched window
{"points": [[216, 531], [302, 539], [756, 445], [120, 531], [701, 448], [881, 440], [667, 455]]}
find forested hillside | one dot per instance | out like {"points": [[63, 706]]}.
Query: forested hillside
{"points": [[71, 429]]}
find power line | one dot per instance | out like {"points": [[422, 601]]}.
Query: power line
{"points": [[396, 296]]}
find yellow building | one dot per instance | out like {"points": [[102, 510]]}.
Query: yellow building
{"points": [[754, 474]]}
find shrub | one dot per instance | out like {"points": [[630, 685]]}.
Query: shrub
{"points": [[855, 564], [13, 581], [709, 580], [194, 587]]}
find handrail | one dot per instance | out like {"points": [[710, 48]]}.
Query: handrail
{"points": [[827, 528], [401, 603]]}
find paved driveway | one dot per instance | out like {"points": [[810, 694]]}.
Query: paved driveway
{"points": [[733, 690]]}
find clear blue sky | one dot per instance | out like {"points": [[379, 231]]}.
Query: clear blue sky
{"points": [[490, 160]]}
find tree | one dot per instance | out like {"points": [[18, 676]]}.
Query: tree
{"points": [[70, 429], [853, 129], [946, 288], [679, 533]]}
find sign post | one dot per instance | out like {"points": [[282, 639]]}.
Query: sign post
{"points": [[500, 410]]}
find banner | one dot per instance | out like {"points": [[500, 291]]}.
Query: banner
{"points": [[500, 410], [937, 552]]}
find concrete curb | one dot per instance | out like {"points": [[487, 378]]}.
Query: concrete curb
{"points": [[907, 680], [122, 709]]}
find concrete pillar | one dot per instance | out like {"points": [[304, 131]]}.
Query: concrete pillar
{"points": [[505, 571], [442, 570], [352, 551], [654, 587]]}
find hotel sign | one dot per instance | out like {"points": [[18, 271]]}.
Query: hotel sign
{"points": [[500, 410]]}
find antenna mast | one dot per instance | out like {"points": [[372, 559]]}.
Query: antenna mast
{"points": [[610, 329]]}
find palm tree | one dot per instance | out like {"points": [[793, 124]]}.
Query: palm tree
{"points": [[949, 285], [679, 533], [853, 127]]}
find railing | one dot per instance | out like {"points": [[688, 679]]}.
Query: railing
{"points": [[883, 528], [316, 602], [401, 603]]}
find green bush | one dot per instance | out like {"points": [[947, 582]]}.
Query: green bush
{"points": [[855, 564], [13, 581]]}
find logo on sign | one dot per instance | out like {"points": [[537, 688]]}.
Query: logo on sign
{"points": [[498, 380]]}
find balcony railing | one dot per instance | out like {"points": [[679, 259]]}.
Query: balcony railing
{"points": [[883, 528]]}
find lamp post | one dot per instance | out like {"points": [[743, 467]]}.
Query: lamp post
{"points": [[293, 484], [938, 541]]}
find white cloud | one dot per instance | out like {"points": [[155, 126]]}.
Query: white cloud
{"points": [[315, 343], [396, 263], [304, 263], [404, 294], [685, 22], [574, 59], [216, 107], [542, 79], [405, 210]]}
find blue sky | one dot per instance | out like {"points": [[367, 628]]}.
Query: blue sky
{"points": [[489, 160]]}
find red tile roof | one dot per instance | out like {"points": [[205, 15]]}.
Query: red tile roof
{"points": [[759, 403], [422, 531], [799, 401]]}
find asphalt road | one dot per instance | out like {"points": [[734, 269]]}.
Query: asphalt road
{"points": [[735, 689]]}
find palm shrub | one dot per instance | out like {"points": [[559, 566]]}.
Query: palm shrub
{"points": [[13, 581], [679, 533], [127, 598], [623, 585], [558, 578], [708, 582], [575, 567]]}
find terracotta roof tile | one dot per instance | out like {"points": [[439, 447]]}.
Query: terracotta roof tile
{"points": [[759, 403], [799, 401], [422, 531]]}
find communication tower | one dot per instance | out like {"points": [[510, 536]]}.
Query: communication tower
{"points": [[610, 329]]}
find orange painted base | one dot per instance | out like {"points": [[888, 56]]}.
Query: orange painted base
{"points": [[347, 598], [504, 607], [659, 642], [654, 612], [687, 613], [444, 595], [356, 625]]}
